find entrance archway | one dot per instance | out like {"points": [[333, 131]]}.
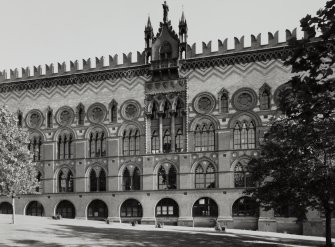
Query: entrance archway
{"points": [[97, 210], [66, 209]]}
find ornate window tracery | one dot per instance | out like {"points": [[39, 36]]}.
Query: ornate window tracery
{"points": [[65, 145], [167, 177], [204, 136], [131, 179], [35, 147], [131, 142], [205, 175], [65, 180], [97, 143], [97, 179], [245, 135]]}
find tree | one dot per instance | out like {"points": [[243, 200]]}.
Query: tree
{"points": [[17, 172], [297, 160]]}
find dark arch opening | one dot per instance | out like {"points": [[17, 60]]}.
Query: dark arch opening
{"points": [[6, 208], [97, 210], [66, 209], [35, 208], [205, 207], [131, 210]]}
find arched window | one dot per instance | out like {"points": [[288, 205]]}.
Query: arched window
{"points": [[167, 141], [179, 141], [154, 111], [97, 210], [131, 178], [155, 142], [65, 145], [205, 207], [131, 208], [49, 118], [245, 135], [204, 136], [66, 209], [167, 177], [131, 142], [19, 119], [35, 208], [265, 97], [245, 206], [224, 103], [242, 176], [65, 180], [39, 188], [167, 208], [97, 143], [97, 179], [6, 208], [113, 111], [81, 114], [35, 147], [205, 175]]}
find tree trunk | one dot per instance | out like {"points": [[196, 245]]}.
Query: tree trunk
{"points": [[328, 227], [13, 205]]}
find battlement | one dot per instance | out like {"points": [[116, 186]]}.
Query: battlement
{"points": [[113, 63]]}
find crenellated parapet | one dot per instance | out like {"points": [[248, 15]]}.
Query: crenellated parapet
{"points": [[63, 69]]}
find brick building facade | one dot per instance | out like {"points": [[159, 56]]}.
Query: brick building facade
{"points": [[166, 138]]}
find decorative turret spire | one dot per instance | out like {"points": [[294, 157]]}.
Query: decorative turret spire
{"points": [[182, 36], [148, 36], [148, 26]]}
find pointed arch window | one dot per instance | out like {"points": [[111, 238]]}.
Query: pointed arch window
{"points": [[49, 118], [154, 110], [167, 178], [179, 141], [265, 97], [224, 103], [242, 177], [167, 141], [97, 180], [205, 177], [35, 147], [97, 143], [131, 180], [65, 145], [131, 142], [65, 181], [155, 142], [39, 178], [19, 119], [204, 136], [81, 114], [113, 111], [245, 135]]}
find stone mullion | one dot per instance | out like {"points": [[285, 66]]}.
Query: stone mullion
{"points": [[173, 132]]}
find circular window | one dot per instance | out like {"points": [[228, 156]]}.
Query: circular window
{"points": [[65, 116], [204, 103], [96, 113], [244, 99], [130, 110], [34, 119]]}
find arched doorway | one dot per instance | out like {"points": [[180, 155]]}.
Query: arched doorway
{"points": [[97, 210], [205, 212], [167, 211], [66, 209], [35, 208], [6, 208], [245, 213], [131, 210]]}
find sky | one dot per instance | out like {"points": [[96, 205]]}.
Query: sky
{"points": [[38, 32]]}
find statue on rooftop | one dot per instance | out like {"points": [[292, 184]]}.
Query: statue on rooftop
{"points": [[165, 11]]}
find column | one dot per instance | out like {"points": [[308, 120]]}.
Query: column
{"points": [[173, 132], [160, 132]]}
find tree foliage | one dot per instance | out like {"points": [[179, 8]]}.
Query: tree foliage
{"points": [[297, 161], [17, 172]]}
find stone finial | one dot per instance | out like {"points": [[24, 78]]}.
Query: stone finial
{"points": [[223, 46], [239, 43], [127, 60], [273, 39], [86, 64], [14, 74], [256, 42], [290, 35], [37, 71], [49, 69], [25, 72], [99, 63], [206, 49], [113, 61], [74, 66], [62, 68]]}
